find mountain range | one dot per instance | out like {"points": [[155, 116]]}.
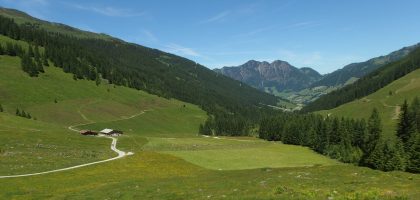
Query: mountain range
{"points": [[279, 75], [305, 85]]}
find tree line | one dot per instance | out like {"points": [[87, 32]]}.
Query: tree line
{"points": [[367, 84], [353, 141]]}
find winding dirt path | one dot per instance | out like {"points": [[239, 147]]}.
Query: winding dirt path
{"points": [[120, 153], [397, 109]]}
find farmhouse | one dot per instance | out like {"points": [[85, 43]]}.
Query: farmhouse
{"points": [[88, 132], [111, 132]]}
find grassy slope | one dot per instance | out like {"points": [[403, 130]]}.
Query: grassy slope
{"points": [[406, 87], [33, 146]]}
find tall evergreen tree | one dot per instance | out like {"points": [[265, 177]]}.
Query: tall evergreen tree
{"points": [[375, 157], [374, 131], [406, 125], [393, 156], [31, 51], [45, 60], [415, 109], [413, 164], [37, 55]]}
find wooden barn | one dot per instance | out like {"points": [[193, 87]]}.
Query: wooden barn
{"points": [[111, 132], [88, 132]]}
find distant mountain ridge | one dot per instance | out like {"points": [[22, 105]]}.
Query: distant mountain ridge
{"points": [[278, 74], [357, 70]]}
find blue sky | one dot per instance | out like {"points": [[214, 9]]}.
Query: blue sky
{"points": [[322, 34]]}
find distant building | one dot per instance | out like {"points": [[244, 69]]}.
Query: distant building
{"points": [[111, 132], [88, 132]]}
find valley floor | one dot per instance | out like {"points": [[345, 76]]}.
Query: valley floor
{"points": [[170, 160]]}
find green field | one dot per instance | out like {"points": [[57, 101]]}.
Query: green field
{"points": [[170, 160], [234, 154], [387, 100]]}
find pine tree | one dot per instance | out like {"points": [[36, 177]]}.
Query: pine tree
{"points": [[359, 133], [414, 156], [23, 114], [37, 55], [31, 51], [415, 109], [45, 60], [373, 134], [10, 49], [406, 125], [375, 158], [98, 79], [393, 157], [334, 133]]}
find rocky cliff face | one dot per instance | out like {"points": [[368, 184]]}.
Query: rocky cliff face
{"points": [[278, 74]]}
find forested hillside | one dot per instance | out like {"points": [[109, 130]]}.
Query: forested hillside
{"points": [[368, 84], [341, 76], [130, 65]]}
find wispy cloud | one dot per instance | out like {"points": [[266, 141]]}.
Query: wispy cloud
{"points": [[150, 36], [108, 10], [302, 25], [218, 17], [256, 31], [181, 50]]}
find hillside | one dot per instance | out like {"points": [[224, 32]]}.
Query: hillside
{"points": [[133, 65], [342, 77], [271, 77], [368, 84], [354, 71], [387, 100], [22, 18], [168, 155]]}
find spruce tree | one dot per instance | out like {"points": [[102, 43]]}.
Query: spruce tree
{"points": [[393, 157], [413, 164], [45, 60], [31, 51], [23, 114], [373, 134], [37, 55], [406, 125], [334, 133], [415, 109], [98, 79], [375, 158]]}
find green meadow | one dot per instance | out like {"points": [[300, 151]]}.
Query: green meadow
{"points": [[170, 160]]}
